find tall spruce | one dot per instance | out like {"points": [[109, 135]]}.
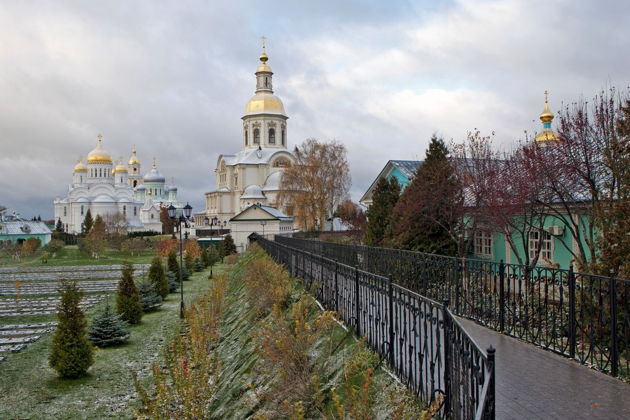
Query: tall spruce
{"points": [[172, 264], [86, 226], [107, 328], [149, 297], [384, 198], [157, 277], [72, 353], [128, 303], [59, 226], [422, 220]]}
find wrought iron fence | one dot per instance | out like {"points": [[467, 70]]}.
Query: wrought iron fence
{"points": [[582, 316], [419, 337]]}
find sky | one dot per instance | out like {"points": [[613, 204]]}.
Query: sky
{"points": [[173, 78]]}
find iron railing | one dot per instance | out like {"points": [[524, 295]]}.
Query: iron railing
{"points": [[582, 316], [420, 338]]}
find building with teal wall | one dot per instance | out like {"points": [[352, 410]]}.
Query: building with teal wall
{"points": [[15, 231], [402, 170]]}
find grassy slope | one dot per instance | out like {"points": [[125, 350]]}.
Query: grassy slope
{"points": [[31, 389], [70, 255]]}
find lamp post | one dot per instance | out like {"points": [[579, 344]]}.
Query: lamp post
{"points": [[183, 218], [263, 223], [213, 222]]}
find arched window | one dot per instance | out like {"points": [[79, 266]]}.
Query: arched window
{"points": [[81, 210], [151, 215], [100, 172], [121, 180], [272, 136], [266, 82], [135, 211], [81, 179], [124, 210], [65, 211], [284, 138], [245, 137], [256, 136], [135, 183]]}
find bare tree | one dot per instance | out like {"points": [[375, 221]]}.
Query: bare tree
{"points": [[318, 182]]}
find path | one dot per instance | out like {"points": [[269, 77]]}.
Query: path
{"points": [[532, 383]]}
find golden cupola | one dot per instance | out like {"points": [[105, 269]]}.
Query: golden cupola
{"points": [[133, 160], [547, 136], [119, 166], [80, 166], [99, 154], [264, 101]]}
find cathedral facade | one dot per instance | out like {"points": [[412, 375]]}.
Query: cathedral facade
{"points": [[108, 189], [252, 175]]}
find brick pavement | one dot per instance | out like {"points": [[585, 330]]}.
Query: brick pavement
{"points": [[533, 383]]}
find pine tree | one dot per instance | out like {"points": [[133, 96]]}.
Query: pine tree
{"points": [[227, 246], [422, 220], [198, 265], [107, 328], [72, 353], [86, 226], [189, 262], [59, 225], [210, 256], [128, 303], [172, 264], [157, 277], [149, 298], [384, 199]]}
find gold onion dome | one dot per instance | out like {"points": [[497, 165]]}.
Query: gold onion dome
{"points": [[99, 155], [134, 159], [264, 103], [80, 166], [547, 135], [120, 167]]}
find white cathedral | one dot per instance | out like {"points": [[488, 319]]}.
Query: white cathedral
{"points": [[106, 189], [252, 176]]}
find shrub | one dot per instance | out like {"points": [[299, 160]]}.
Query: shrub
{"points": [[210, 256], [107, 328], [173, 282], [185, 274], [266, 284], [128, 303], [157, 277], [72, 353], [45, 257], [54, 246], [167, 247], [133, 246], [192, 248], [149, 297], [29, 246]]}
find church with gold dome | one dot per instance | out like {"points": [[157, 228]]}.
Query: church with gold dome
{"points": [[107, 188], [252, 175]]}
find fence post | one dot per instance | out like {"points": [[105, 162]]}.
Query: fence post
{"points": [[447, 357], [614, 345], [356, 301], [491, 389], [390, 290], [571, 281], [501, 296], [336, 287]]}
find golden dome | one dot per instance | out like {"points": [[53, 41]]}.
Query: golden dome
{"points": [[80, 166], [120, 167], [546, 116], [264, 103], [133, 160], [99, 155]]}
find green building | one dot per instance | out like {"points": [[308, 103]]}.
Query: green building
{"points": [[15, 231]]}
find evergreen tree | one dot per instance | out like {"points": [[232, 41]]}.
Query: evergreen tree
{"points": [[198, 265], [149, 298], [421, 220], [107, 328], [384, 199], [210, 256], [157, 277], [227, 246], [172, 264], [72, 353], [128, 303], [189, 262], [59, 225], [185, 274], [86, 226], [173, 282]]}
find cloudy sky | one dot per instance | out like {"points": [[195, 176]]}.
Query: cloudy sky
{"points": [[173, 77]]}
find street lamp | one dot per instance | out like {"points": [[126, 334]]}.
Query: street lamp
{"points": [[214, 222], [183, 218], [263, 223]]}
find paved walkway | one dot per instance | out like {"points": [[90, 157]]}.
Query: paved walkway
{"points": [[533, 383]]}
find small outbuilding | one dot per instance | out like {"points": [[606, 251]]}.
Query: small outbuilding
{"points": [[260, 219], [16, 231]]}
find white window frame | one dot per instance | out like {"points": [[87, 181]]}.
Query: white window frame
{"points": [[483, 243], [546, 252]]}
